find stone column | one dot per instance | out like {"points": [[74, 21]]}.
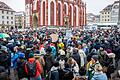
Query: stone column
{"points": [[85, 16], [56, 12], [38, 10], [63, 9]]}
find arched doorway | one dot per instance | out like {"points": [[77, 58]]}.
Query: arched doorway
{"points": [[43, 13], [52, 13], [65, 9], [75, 17], [70, 18], [59, 14]]}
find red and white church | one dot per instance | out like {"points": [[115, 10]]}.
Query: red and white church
{"points": [[53, 12]]}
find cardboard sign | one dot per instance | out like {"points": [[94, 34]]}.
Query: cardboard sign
{"points": [[54, 37], [68, 34]]}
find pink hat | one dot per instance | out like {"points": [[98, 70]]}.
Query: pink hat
{"points": [[109, 51]]}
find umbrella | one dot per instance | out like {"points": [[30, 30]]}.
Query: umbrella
{"points": [[4, 35]]}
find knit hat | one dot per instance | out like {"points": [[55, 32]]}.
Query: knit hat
{"points": [[21, 55], [109, 51], [95, 57], [31, 55], [4, 48], [75, 51]]}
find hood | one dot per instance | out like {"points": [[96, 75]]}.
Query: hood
{"points": [[31, 60]]}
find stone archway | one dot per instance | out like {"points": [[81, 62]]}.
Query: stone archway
{"points": [[59, 14], [43, 13], [70, 18], [52, 13], [75, 16]]}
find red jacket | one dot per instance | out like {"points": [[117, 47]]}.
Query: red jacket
{"points": [[38, 67]]}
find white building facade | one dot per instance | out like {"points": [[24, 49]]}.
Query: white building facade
{"points": [[105, 15], [110, 13], [114, 12], [20, 20], [7, 17]]}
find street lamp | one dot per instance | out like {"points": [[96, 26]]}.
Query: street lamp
{"points": [[66, 21]]}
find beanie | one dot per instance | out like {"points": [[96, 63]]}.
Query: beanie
{"points": [[95, 57], [31, 55]]}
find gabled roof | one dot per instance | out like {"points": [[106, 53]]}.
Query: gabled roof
{"points": [[107, 9], [4, 6], [116, 2]]}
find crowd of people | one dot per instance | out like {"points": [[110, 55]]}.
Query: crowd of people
{"points": [[87, 55]]}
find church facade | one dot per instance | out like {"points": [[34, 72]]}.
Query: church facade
{"points": [[53, 13]]}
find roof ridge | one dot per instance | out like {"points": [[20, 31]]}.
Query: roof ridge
{"points": [[4, 6]]}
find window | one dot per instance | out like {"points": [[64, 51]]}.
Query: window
{"points": [[105, 12], [2, 12], [7, 12], [2, 17], [12, 18], [108, 20], [108, 15], [2, 22], [108, 12], [7, 17], [105, 19], [11, 22], [11, 12], [7, 22]]}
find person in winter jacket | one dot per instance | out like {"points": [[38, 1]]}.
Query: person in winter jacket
{"points": [[76, 56], [21, 66], [73, 66], [49, 60], [92, 66], [83, 56], [53, 50], [38, 68], [54, 73], [99, 75]]}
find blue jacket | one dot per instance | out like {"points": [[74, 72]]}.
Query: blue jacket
{"points": [[53, 51], [99, 76], [15, 58]]}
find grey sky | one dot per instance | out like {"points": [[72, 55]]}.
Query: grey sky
{"points": [[93, 6]]}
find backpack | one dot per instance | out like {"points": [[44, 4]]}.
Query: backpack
{"points": [[31, 69], [21, 69]]}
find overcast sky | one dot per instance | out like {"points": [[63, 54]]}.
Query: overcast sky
{"points": [[93, 6]]}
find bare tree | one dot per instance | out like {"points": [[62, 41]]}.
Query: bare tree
{"points": [[119, 16]]}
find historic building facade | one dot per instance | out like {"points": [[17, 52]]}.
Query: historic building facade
{"points": [[110, 13], [7, 17], [53, 13]]}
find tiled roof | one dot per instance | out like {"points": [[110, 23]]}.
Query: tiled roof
{"points": [[107, 9], [4, 6], [116, 2]]}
